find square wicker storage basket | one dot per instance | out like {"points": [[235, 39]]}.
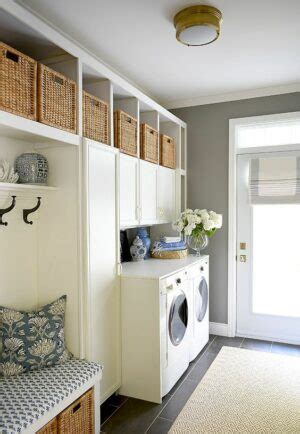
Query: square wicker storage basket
{"points": [[17, 82], [125, 133], [149, 143], [57, 99], [78, 418], [50, 428], [167, 151], [95, 118]]}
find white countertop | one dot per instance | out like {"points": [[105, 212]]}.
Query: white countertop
{"points": [[158, 268]]}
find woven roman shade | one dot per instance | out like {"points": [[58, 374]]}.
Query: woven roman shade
{"points": [[274, 180]]}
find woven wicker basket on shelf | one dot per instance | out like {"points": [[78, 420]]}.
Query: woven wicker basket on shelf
{"points": [[78, 418], [57, 99], [167, 151], [148, 143], [17, 82], [172, 254], [49, 428], [125, 133], [95, 118]]}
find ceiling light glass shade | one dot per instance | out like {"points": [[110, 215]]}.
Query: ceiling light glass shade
{"points": [[198, 25]]}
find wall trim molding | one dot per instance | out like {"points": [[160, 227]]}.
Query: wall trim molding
{"points": [[233, 96], [218, 328]]}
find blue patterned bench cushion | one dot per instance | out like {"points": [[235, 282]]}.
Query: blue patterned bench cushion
{"points": [[26, 397]]}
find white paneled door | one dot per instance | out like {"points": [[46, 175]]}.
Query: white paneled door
{"points": [[148, 192], [129, 190], [166, 194], [268, 237], [103, 296]]}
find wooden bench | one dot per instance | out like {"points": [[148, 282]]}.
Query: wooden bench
{"points": [[36, 401]]}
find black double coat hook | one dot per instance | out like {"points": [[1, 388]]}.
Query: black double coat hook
{"points": [[26, 212], [6, 210]]}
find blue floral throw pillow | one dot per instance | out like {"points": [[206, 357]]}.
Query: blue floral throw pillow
{"points": [[32, 340]]}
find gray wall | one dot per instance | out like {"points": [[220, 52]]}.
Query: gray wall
{"points": [[208, 173]]}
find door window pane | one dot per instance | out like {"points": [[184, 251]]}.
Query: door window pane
{"points": [[276, 260], [269, 134]]}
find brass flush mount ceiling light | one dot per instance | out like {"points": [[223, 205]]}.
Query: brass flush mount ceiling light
{"points": [[198, 25]]}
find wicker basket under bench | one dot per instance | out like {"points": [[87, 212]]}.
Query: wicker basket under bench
{"points": [[78, 418], [62, 399]]}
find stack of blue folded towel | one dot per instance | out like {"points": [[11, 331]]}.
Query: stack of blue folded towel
{"points": [[169, 244]]}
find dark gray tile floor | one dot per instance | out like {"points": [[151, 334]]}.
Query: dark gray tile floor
{"points": [[123, 415]]}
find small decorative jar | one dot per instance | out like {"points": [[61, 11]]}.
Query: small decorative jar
{"points": [[138, 250], [143, 235], [32, 168]]}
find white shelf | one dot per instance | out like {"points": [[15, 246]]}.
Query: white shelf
{"points": [[20, 128], [5, 186]]}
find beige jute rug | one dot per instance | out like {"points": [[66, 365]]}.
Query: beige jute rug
{"points": [[245, 391]]}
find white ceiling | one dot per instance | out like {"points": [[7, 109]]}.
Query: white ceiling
{"points": [[259, 45]]}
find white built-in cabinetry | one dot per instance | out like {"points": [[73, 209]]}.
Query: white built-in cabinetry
{"points": [[102, 316], [147, 193], [73, 245], [166, 194], [129, 190]]}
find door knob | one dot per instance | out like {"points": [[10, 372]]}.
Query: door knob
{"points": [[243, 258]]}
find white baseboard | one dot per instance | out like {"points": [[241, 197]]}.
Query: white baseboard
{"points": [[218, 328]]}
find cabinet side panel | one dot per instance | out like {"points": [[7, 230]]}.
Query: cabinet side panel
{"points": [[103, 292], [140, 323]]}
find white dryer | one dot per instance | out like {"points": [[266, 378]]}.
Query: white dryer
{"points": [[198, 276], [175, 332]]}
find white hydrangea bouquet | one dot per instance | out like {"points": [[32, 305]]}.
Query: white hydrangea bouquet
{"points": [[198, 225]]}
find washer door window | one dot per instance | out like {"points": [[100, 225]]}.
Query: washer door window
{"points": [[178, 318], [201, 299]]}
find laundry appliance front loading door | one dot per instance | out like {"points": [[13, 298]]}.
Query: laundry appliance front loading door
{"points": [[178, 317], [201, 299]]}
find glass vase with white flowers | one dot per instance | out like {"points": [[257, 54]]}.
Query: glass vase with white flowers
{"points": [[198, 225]]}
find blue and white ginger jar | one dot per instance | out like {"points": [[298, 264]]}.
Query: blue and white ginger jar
{"points": [[143, 235], [138, 250], [32, 168]]}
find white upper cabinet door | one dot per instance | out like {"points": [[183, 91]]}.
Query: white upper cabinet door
{"points": [[128, 190], [166, 195], [103, 293], [148, 192]]}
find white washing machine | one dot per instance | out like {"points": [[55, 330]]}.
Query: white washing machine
{"points": [[156, 327], [175, 328], [198, 276]]}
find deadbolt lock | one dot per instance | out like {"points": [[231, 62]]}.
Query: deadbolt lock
{"points": [[243, 258], [243, 246]]}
